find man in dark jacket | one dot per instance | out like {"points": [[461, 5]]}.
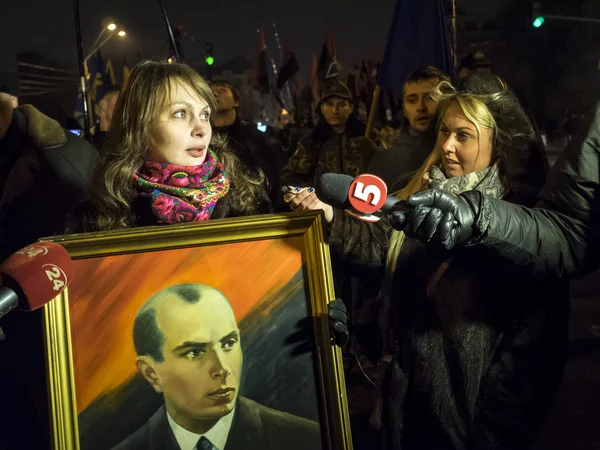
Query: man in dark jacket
{"points": [[252, 146], [558, 238], [336, 145], [397, 165]]}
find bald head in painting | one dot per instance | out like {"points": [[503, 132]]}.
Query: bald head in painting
{"points": [[188, 349]]}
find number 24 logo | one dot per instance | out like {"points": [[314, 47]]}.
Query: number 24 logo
{"points": [[54, 276]]}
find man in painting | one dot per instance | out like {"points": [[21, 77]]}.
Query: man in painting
{"points": [[188, 348]]}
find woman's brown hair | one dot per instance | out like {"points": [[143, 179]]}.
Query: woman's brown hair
{"points": [[138, 107]]}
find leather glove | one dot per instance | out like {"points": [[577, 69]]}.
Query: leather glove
{"points": [[441, 217], [338, 316]]}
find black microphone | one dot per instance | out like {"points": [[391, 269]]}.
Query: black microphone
{"points": [[334, 189]]}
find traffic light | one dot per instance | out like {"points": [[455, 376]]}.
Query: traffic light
{"points": [[210, 59], [536, 14]]}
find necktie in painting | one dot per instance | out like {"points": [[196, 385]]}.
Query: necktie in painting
{"points": [[205, 444]]}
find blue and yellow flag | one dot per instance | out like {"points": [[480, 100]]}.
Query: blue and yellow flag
{"points": [[418, 38]]}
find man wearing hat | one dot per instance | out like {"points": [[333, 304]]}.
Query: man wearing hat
{"points": [[336, 144], [475, 61]]}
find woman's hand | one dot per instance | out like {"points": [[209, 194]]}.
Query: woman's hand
{"points": [[307, 200]]}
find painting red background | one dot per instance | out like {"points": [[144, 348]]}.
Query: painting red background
{"points": [[108, 291]]}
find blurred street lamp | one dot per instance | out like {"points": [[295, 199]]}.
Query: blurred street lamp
{"points": [[110, 28]]}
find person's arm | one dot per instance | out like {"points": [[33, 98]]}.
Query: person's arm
{"points": [[561, 236], [357, 242]]}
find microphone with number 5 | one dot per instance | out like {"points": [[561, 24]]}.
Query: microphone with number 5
{"points": [[34, 276], [365, 196]]}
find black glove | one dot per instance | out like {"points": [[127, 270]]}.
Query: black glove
{"points": [[440, 217], [338, 316]]}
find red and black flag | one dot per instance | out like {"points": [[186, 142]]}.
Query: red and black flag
{"points": [[261, 70], [327, 67], [288, 69]]}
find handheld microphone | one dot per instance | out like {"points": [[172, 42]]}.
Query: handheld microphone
{"points": [[34, 276], [365, 196]]}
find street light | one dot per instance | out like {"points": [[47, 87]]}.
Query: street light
{"points": [[111, 27]]}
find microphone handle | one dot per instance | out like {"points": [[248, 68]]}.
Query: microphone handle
{"points": [[8, 300]]}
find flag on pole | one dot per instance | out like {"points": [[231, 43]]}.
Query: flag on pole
{"points": [[78, 113], [110, 71], [288, 69], [418, 37], [314, 78], [327, 66], [261, 70], [126, 70], [99, 80]]}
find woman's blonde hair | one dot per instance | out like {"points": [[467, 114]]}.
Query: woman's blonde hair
{"points": [[488, 103], [473, 107], [137, 110]]}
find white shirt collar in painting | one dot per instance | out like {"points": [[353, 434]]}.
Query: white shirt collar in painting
{"points": [[217, 434]]}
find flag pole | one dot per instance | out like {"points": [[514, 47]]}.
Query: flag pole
{"points": [[82, 80], [372, 111], [170, 31], [454, 37]]}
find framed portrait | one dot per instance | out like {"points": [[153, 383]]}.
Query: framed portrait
{"points": [[198, 336]]}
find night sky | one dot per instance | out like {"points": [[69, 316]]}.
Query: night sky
{"points": [[360, 31]]}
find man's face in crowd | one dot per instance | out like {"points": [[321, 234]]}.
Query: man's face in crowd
{"points": [[419, 108], [336, 111], [200, 374], [225, 99]]}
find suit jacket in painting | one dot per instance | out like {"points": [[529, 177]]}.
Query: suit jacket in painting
{"points": [[254, 427]]}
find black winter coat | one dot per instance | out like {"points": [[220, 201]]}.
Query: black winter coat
{"points": [[561, 236], [477, 363]]}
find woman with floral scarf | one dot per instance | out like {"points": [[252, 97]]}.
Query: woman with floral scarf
{"points": [[475, 347], [162, 164]]}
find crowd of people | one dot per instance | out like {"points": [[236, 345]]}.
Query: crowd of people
{"points": [[466, 359]]}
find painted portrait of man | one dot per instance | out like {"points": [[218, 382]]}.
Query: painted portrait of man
{"points": [[188, 348]]}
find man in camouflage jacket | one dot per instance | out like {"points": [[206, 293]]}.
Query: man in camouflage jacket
{"points": [[336, 145]]}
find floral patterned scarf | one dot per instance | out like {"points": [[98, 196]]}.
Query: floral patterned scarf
{"points": [[183, 193]]}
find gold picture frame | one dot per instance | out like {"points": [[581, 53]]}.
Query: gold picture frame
{"points": [[315, 264]]}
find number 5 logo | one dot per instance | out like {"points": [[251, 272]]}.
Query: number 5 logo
{"points": [[367, 193]]}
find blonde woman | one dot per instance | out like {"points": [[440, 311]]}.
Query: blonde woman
{"points": [[162, 164], [477, 346]]}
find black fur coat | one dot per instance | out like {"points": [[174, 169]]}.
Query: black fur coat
{"points": [[476, 364]]}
